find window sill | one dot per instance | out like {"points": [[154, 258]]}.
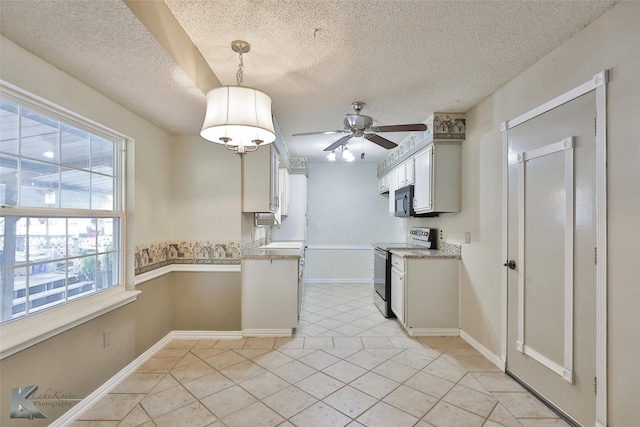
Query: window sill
{"points": [[25, 332]]}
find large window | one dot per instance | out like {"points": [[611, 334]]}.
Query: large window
{"points": [[62, 213]]}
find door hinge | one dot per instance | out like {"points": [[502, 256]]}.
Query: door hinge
{"points": [[595, 385], [595, 256], [595, 126]]}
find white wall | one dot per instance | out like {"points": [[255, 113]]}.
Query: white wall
{"points": [[611, 42], [205, 190], [294, 225], [346, 211]]}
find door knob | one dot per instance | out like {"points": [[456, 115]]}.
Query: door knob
{"points": [[511, 264]]}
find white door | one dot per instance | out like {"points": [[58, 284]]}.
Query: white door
{"points": [[551, 241]]}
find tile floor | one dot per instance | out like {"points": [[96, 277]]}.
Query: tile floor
{"points": [[345, 365]]}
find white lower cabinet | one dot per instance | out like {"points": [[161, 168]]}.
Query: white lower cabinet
{"points": [[425, 295], [397, 287], [270, 300]]}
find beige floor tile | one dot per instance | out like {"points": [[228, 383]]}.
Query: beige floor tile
{"points": [[158, 365], [329, 323], [230, 344], [193, 415], [347, 342], [344, 371], [446, 415], [411, 401], [429, 384], [208, 384], [320, 415], [204, 344], [318, 342], [81, 423], [255, 415], [205, 353], [166, 401], [497, 381], [444, 342], [242, 371], [286, 343], [405, 342], [228, 401], [272, 360], [294, 371], [377, 342], [524, 405], [341, 353], [263, 385], [383, 415], [191, 371], [135, 418], [366, 359], [349, 329], [471, 382], [165, 383], [138, 383], [395, 371], [477, 363], [289, 401], [374, 384], [471, 400], [350, 401], [446, 368], [415, 358], [319, 359], [544, 423], [112, 407], [181, 344], [297, 353], [319, 385], [224, 360], [310, 330], [168, 352], [259, 343], [501, 416]]}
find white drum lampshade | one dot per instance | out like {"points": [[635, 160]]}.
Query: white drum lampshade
{"points": [[238, 116]]}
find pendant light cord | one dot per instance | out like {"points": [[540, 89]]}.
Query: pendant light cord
{"points": [[239, 77]]}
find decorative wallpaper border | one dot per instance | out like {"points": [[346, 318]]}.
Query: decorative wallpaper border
{"points": [[156, 255], [440, 126]]}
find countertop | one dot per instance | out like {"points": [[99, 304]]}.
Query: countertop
{"points": [[275, 253], [424, 254]]}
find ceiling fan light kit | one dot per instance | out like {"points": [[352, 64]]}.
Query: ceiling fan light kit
{"points": [[359, 125], [237, 116]]}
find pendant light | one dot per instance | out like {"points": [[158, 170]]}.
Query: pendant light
{"points": [[238, 117]]}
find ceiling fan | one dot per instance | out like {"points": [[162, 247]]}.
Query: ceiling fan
{"points": [[359, 125]]}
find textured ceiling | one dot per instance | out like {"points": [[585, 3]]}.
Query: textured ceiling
{"points": [[405, 59]]}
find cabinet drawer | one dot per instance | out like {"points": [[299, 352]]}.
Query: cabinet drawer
{"points": [[397, 262]]}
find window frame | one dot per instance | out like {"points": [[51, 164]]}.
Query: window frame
{"points": [[22, 332]]}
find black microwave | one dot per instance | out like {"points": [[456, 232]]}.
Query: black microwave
{"points": [[404, 201]]}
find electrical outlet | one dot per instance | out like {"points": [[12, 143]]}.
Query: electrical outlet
{"points": [[467, 237], [106, 337]]}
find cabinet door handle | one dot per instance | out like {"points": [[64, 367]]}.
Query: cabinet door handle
{"points": [[511, 264]]}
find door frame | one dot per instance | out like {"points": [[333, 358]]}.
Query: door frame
{"points": [[599, 84]]}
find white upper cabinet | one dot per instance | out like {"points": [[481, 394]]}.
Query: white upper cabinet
{"points": [[393, 186], [383, 184], [438, 178], [283, 182], [260, 176]]}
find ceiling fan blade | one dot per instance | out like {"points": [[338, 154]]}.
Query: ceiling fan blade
{"points": [[400, 128], [383, 142], [339, 142], [326, 132]]}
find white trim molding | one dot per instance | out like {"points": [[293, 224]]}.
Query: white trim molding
{"points": [[74, 413], [565, 147], [196, 268], [22, 333], [434, 332], [267, 332], [339, 281], [493, 358], [599, 84]]}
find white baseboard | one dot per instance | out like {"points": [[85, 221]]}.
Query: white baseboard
{"points": [[338, 281], [493, 358], [267, 332], [75, 412], [434, 332]]}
